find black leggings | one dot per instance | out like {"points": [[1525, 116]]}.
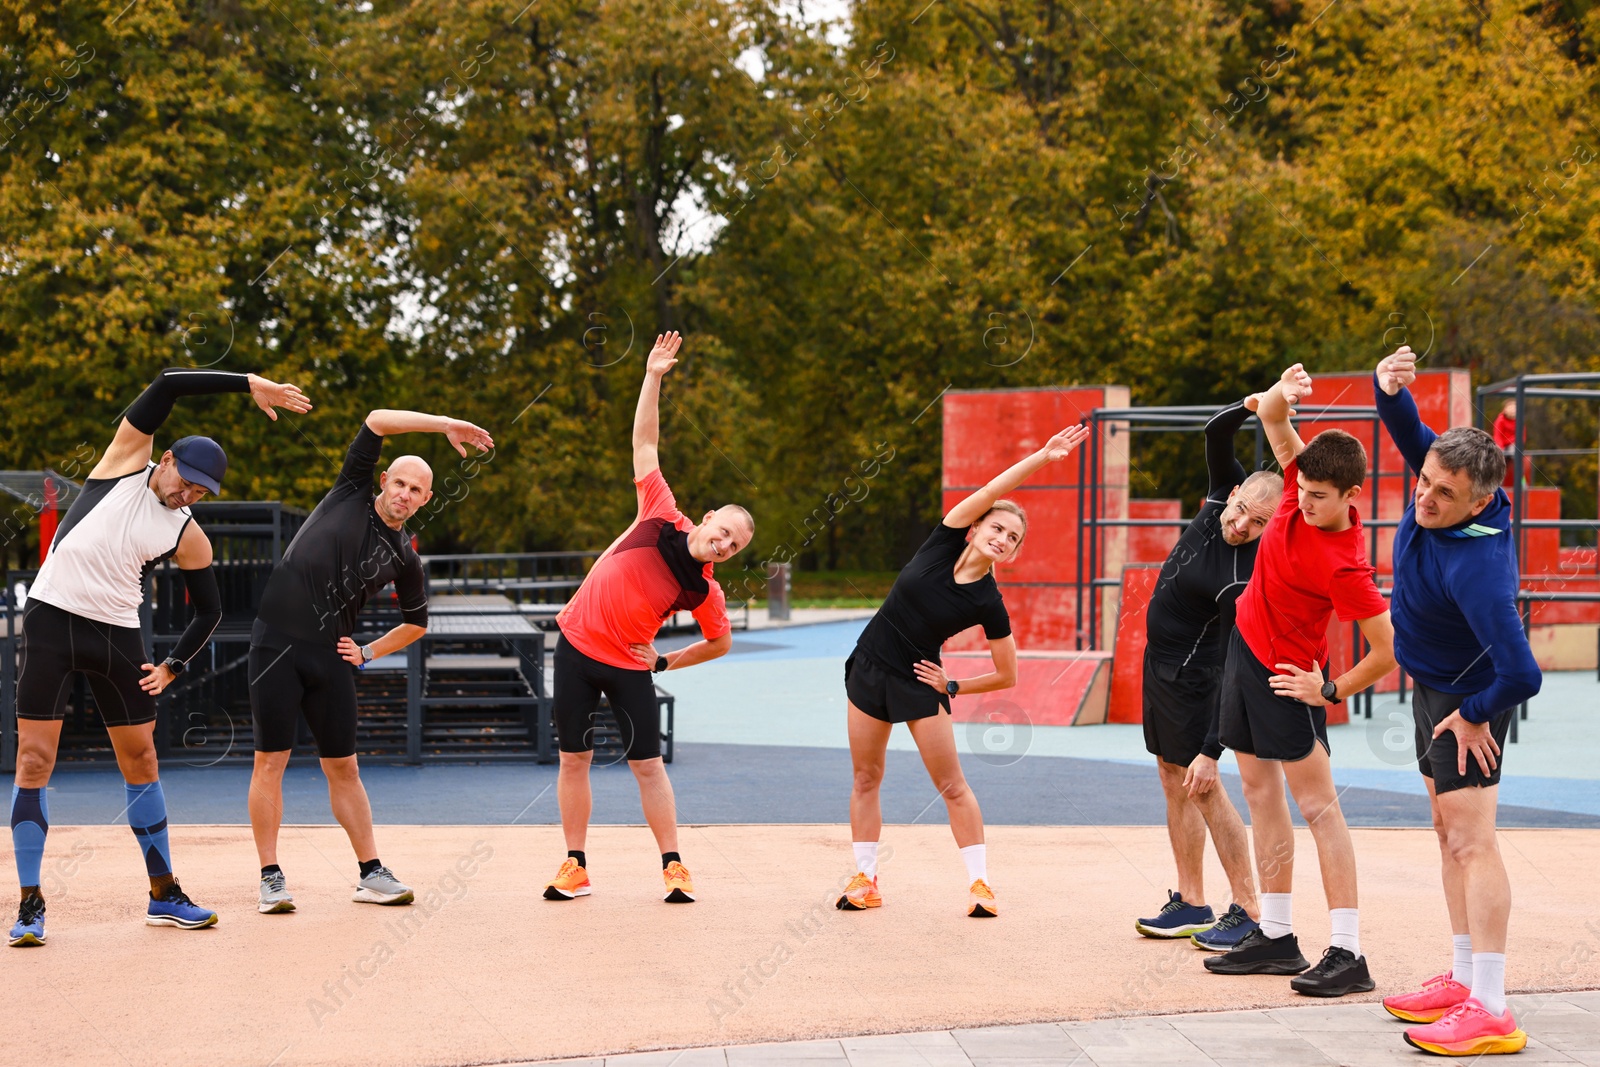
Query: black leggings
{"points": [[289, 678], [55, 643], [579, 682]]}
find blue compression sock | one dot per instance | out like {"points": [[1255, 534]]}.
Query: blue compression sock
{"points": [[147, 815], [30, 822]]}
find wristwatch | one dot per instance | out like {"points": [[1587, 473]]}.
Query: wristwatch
{"points": [[661, 665], [1330, 691], [366, 653], [176, 666], [952, 687]]}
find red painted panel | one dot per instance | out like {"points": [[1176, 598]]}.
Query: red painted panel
{"points": [[987, 431], [1042, 617], [1050, 551], [1150, 544], [1127, 664], [1050, 689]]}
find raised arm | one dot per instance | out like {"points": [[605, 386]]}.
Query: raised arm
{"points": [[130, 448], [1275, 407], [385, 422], [978, 504], [1398, 409], [1223, 468], [647, 416]]}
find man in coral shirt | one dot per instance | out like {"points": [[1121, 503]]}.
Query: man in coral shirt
{"points": [[1311, 565], [661, 565]]}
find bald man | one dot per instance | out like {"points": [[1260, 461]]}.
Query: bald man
{"points": [[302, 657]]}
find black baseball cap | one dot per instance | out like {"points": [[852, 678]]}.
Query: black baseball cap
{"points": [[201, 461]]}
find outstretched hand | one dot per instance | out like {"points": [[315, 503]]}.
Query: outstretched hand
{"points": [[1296, 384], [1061, 445], [460, 434], [269, 395], [664, 356], [1398, 370]]}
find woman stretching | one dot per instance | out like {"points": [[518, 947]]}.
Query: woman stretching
{"points": [[894, 674]]}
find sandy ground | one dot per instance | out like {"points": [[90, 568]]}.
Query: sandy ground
{"points": [[481, 970]]}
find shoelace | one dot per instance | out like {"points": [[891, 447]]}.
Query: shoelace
{"points": [[176, 895], [275, 883], [1231, 920], [1466, 1007], [568, 866], [32, 907], [1173, 904], [982, 889], [677, 872], [383, 872], [1332, 960]]}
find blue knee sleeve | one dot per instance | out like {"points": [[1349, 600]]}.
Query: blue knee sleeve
{"points": [[30, 822], [147, 815]]}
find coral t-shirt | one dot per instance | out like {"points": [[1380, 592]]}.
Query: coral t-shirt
{"points": [[1302, 575], [640, 581]]}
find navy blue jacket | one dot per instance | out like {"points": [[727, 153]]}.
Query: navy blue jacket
{"points": [[1456, 627]]}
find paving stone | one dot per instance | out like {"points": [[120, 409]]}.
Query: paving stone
{"points": [[1033, 1041], [1338, 1017], [797, 1052], [687, 1057], [937, 1048]]}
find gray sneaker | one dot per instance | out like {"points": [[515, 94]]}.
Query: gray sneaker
{"points": [[275, 898], [382, 887]]}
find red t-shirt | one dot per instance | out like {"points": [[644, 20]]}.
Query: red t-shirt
{"points": [[1302, 574], [640, 581], [1505, 430]]}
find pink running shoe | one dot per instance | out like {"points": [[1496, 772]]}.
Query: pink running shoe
{"points": [[1430, 1003], [1469, 1030]]}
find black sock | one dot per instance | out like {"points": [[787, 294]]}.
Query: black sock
{"points": [[271, 868], [578, 855], [368, 866], [670, 857]]}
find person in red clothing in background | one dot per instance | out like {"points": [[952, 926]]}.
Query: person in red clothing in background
{"points": [[1505, 435]]}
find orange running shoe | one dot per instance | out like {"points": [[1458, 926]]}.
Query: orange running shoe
{"points": [[980, 903], [680, 890], [861, 894], [570, 881], [1430, 1003], [1469, 1030]]}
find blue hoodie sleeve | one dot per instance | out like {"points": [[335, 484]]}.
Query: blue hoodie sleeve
{"points": [[1404, 423], [1488, 599]]}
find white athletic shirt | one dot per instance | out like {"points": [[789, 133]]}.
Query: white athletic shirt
{"points": [[112, 535]]}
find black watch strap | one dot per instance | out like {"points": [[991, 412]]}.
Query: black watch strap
{"points": [[176, 666], [1330, 691], [661, 664]]}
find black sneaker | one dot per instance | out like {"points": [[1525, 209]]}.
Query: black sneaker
{"points": [[1340, 971], [1260, 954]]}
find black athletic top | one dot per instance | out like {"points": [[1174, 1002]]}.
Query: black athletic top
{"points": [[926, 607], [1191, 610], [341, 556]]}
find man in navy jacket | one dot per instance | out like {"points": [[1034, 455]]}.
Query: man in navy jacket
{"points": [[1458, 634]]}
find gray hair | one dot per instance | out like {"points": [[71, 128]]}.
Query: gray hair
{"points": [[1465, 448]]}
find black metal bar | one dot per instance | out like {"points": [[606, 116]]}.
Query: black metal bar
{"points": [[1083, 528]]}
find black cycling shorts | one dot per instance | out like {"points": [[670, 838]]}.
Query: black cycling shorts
{"points": [[1178, 705], [579, 682], [291, 678], [1438, 757], [886, 696], [56, 643], [1259, 722]]}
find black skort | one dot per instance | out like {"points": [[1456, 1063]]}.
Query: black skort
{"points": [[886, 696]]}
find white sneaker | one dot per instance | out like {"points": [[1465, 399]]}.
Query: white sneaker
{"points": [[382, 887], [275, 898]]}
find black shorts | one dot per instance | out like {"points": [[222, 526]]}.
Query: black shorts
{"points": [[57, 643], [1259, 722], [1178, 705], [1437, 756], [886, 696], [290, 678], [579, 682]]}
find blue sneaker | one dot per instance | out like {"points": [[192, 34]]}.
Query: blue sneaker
{"points": [[1234, 926], [176, 909], [30, 923], [1177, 919]]}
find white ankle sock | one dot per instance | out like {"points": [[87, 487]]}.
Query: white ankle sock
{"points": [[1346, 929], [1461, 954], [1489, 981], [866, 857], [976, 861], [1275, 914]]}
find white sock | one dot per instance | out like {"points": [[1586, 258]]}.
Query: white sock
{"points": [[1461, 951], [1489, 981], [1275, 913], [866, 857], [976, 861], [1346, 929]]}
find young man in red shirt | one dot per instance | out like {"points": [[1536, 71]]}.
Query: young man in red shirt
{"points": [[660, 565], [1311, 564]]}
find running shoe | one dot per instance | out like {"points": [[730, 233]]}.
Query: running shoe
{"points": [[1469, 1030], [1429, 1004], [1178, 918], [1234, 926], [382, 887], [30, 922], [861, 894], [1260, 954], [980, 901], [1339, 972], [570, 881], [275, 898], [174, 908], [680, 890]]}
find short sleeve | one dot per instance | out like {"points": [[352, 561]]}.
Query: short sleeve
{"points": [[1355, 594], [655, 497], [996, 620], [360, 462], [411, 589], [947, 540], [712, 614]]}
